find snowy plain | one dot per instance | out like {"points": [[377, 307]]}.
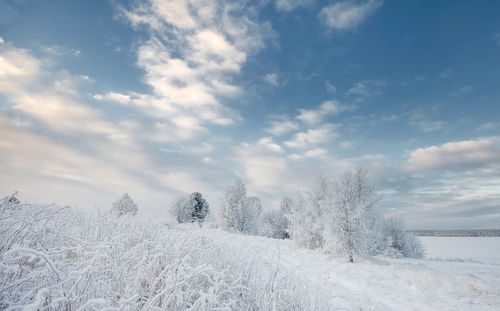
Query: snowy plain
{"points": [[374, 284], [56, 259]]}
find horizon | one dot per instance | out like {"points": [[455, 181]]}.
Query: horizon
{"points": [[162, 98]]}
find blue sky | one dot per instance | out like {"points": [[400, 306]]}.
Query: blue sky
{"points": [[158, 98]]}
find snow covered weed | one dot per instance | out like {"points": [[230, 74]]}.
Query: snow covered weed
{"points": [[53, 259]]}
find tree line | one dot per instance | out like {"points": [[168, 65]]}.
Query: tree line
{"points": [[336, 215]]}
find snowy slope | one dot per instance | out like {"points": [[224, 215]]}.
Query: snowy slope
{"points": [[56, 259], [378, 284]]}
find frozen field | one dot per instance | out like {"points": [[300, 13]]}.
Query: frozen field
{"points": [[67, 261], [377, 284], [481, 249]]}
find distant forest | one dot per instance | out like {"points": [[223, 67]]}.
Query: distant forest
{"points": [[458, 233]]}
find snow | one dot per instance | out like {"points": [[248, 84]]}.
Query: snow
{"points": [[57, 259], [483, 249], [376, 284]]}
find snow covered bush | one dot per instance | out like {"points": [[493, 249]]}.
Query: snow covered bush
{"points": [[124, 206], [338, 216], [274, 224], [402, 242], [239, 212], [58, 259], [190, 208]]}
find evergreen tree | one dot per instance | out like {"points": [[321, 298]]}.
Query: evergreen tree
{"points": [[200, 207]]}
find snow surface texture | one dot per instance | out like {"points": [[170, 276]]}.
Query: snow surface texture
{"points": [[58, 259]]}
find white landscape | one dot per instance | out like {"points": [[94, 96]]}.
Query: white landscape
{"points": [[249, 155], [56, 258]]}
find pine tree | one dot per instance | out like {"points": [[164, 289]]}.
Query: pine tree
{"points": [[200, 207]]}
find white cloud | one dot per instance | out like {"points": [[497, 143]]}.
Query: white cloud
{"points": [[289, 5], [195, 50], [48, 96], [315, 116], [367, 89], [313, 153], [272, 79], [456, 155], [347, 15], [263, 167], [314, 136], [282, 126]]}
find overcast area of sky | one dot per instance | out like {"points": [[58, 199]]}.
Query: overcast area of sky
{"points": [[158, 98]]}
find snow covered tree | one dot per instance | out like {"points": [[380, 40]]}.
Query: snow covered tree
{"points": [[125, 206], [353, 199], [200, 207], [190, 208], [274, 224], [401, 241], [302, 221], [239, 212], [182, 209]]}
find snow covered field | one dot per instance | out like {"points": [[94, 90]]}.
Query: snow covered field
{"points": [[56, 259], [373, 284], [483, 249]]}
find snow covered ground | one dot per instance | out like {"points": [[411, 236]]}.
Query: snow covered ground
{"points": [[376, 284], [56, 259], [483, 249]]}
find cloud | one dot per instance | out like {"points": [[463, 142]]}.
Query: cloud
{"points": [[193, 53], [290, 5], [46, 95], [272, 79], [347, 15], [282, 126], [459, 155], [366, 89], [315, 116], [420, 120], [330, 87], [446, 74], [314, 136], [462, 91], [488, 126], [313, 153]]}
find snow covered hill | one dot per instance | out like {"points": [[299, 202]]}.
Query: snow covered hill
{"points": [[374, 284]]}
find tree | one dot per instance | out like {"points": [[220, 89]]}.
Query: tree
{"points": [[125, 206], [190, 208], [404, 243], [239, 212], [182, 209], [200, 207], [274, 224], [353, 199]]}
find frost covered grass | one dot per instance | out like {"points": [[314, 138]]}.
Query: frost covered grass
{"points": [[54, 258], [58, 259]]}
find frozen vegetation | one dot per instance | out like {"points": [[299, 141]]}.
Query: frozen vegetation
{"points": [[324, 250]]}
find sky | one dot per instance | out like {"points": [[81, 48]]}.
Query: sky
{"points": [[159, 98]]}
